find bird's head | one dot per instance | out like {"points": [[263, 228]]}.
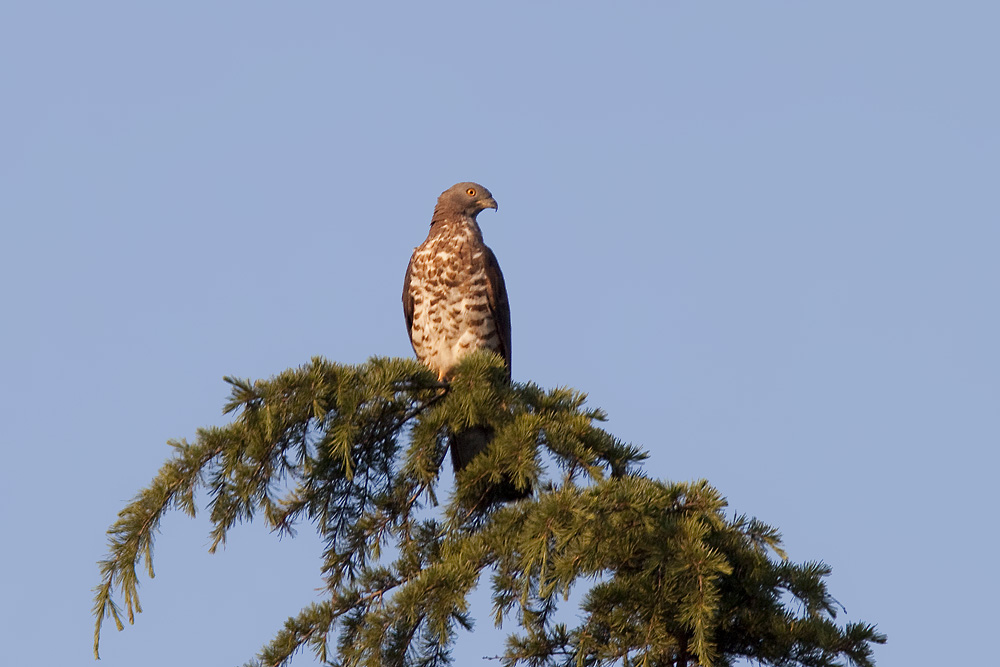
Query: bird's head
{"points": [[466, 199]]}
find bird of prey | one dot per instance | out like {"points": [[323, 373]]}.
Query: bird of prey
{"points": [[455, 302]]}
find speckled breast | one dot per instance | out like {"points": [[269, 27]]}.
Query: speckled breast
{"points": [[451, 315]]}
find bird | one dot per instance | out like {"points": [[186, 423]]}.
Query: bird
{"points": [[455, 302]]}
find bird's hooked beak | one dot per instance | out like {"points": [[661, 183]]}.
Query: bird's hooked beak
{"points": [[490, 202]]}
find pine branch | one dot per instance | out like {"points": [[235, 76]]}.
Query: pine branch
{"points": [[131, 536], [670, 579]]}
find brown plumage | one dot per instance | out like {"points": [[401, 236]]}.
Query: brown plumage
{"points": [[455, 302]]}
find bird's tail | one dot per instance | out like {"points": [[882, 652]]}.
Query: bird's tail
{"points": [[468, 444]]}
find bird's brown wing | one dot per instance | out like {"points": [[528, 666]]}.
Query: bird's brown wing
{"points": [[408, 302], [496, 292]]}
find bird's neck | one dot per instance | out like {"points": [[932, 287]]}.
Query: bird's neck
{"points": [[444, 221]]}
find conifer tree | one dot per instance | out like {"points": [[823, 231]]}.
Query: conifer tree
{"points": [[356, 452]]}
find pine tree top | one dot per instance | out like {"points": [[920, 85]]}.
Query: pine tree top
{"points": [[356, 452]]}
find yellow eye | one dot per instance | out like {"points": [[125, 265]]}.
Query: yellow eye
{"points": [[471, 192]]}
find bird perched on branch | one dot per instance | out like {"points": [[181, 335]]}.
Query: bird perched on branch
{"points": [[455, 302]]}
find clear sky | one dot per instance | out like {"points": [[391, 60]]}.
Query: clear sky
{"points": [[762, 235]]}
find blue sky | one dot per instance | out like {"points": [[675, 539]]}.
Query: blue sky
{"points": [[763, 236]]}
